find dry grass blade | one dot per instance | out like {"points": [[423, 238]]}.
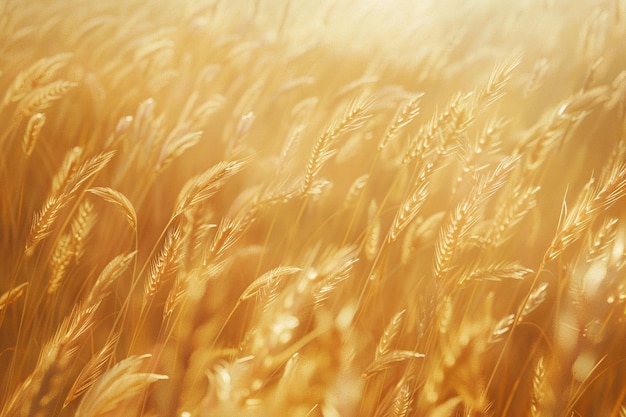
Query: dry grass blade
{"points": [[12, 295], [266, 279], [121, 383], [119, 199], [206, 185]]}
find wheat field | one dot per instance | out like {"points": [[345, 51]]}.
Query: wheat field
{"points": [[307, 209]]}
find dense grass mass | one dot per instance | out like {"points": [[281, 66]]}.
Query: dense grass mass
{"points": [[292, 208]]}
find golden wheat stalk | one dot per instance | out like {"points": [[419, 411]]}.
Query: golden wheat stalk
{"points": [[36, 394], [64, 188], [92, 371], [119, 384], [206, 185], [38, 74], [594, 198], [354, 118], [42, 98], [33, 129], [113, 196], [12, 295]]}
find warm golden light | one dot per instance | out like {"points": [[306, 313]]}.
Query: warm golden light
{"points": [[330, 208]]}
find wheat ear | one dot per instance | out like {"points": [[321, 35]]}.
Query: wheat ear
{"points": [[61, 258], [39, 73], [206, 185], [70, 245], [355, 117], [266, 279], [114, 269], [35, 395], [33, 129], [119, 199], [387, 360], [497, 272], [42, 97], [390, 333], [501, 74], [538, 388], [464, 216], [81, 227], [402, 400], [121, 383], [165, 263], [64, 187], [403, 117], [601, 240], [592, 200], [91, 371], [517, 203], [12, 295], [411, 205], [177, 142]]}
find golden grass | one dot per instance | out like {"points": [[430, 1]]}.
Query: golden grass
{"points": [[271, 207]]}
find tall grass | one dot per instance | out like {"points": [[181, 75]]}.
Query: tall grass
{"points": [[262, 208]]}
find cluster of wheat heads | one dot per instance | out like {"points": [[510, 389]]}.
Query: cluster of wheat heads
{"points": [[280, 208]]}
